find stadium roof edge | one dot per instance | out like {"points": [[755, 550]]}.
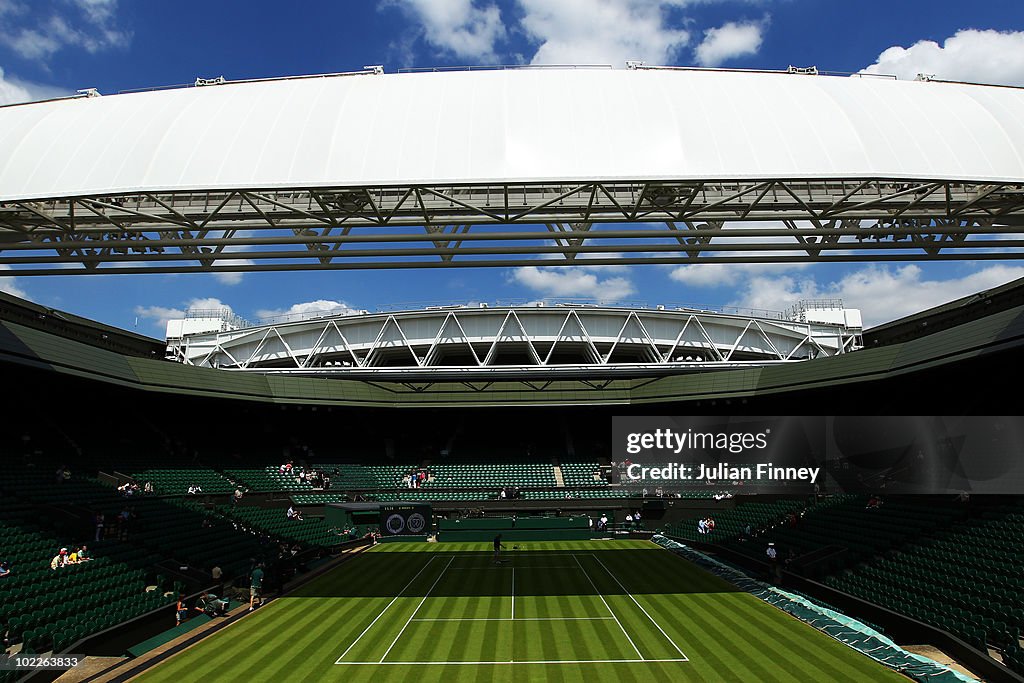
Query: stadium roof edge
{"points": [[949, 314], [95, 333]]}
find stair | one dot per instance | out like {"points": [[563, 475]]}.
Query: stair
{"points": [[559, 481]]}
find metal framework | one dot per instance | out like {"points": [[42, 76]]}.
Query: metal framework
{"points": [[512, 224], [481, 342]]}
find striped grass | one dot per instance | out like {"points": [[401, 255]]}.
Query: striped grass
{"points": [[559, 611]]}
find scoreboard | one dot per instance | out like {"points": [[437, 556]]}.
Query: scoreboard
{"points": [[403, 519]]}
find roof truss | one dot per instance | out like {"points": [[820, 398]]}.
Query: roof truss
{"points": [[512, 224]]}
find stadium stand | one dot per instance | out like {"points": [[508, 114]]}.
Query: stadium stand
{"points": [[47, 609], [177, 481], [311, 531], [729, 524], [267, 479], [582, 474], [366, 476], [490, 474], [981, 600], [581, 494]]}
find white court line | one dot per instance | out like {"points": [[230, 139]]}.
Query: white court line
{"points": [[513, 593], [522, 566], [425, 564], [425, 595], [640, 606], [521, 619], [531, 661], [608, 607]]}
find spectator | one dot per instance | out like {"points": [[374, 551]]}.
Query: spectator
{"points": [[217, 574], [148, 488], [98, 521], [5, 569], [771, 553], [181, 612], [60, 559], [83, 554], [629, 519], [603, 522], [702, 526]]}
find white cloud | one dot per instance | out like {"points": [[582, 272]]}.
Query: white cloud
{"points": [[969, 55], [100, 11], [90, 25], [231, 278], [208, 304], [603, 31], [13, 90], [729, 41], [881, 293], [161, 314], [726, 274], [308, 309], [459, 27], [573, 281], [9, 285]]}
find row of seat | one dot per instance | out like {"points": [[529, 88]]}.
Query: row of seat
{"points": [[177, 481], [311, 531]]}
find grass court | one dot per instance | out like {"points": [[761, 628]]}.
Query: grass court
{"points": [[561, 611]]}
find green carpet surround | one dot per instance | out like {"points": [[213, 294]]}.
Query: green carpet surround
{"points": [[567, 611], [514, 529]]}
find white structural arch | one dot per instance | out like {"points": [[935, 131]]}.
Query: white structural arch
{"points": [[563, 340], [371, 170]]}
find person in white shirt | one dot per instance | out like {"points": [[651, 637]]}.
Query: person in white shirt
{"points": [[771, 552]]}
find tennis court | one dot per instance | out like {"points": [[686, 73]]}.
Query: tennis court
{"points": [[572, 611]]}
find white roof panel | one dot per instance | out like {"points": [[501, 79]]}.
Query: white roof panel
{"points": [[511, 125]]}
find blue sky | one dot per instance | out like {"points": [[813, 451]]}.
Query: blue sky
{"points": [[50, 47]]}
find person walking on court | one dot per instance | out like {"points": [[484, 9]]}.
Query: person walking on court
{"points": [[497, 549], [255, 587]]}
